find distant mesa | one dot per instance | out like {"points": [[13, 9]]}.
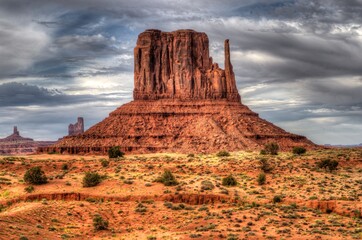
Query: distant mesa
{"points": [[76, 128], [183, 102], [16, 144]]}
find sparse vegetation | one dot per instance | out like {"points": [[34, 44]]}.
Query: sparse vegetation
{"points": [[229, 181], [91, 179], [290, 201], [29, 189], [277, 199], [115, 152], [299, 150], [271, 148], [207, 185], [223, 154], [265, 165], [167, 178], [261, 178], [65, 167], [99, 223], [328, 164], [35, 176], [104, 162]]}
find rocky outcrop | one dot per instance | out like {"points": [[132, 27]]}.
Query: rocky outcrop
{"points": [[76, 128], [16, 144], [177, 65], [183, 102]]}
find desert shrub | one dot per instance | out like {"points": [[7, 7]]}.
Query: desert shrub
{"points": [[104, 162], [65, 167], [271, 148], [35, 176], [277, 199], [223, 154], [167, 178], [263, 152], [207, 185], [91, 179], [261, 178], [23, 238], [229, 181], [140, 208], [265, 165], [191, 155], [115, 152], [99, 223], [29, 189], [328, 164], [299, 150]]}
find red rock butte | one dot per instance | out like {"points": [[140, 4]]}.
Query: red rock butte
{"points": [[183, 102]]}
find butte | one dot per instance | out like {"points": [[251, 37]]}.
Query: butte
{"points": [[183, 102]]}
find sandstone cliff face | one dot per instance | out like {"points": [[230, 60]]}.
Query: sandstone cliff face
{"points": [[177, 65], [183, 102]]}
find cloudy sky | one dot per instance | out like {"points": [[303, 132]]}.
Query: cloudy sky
{"points": [[298, 63]]}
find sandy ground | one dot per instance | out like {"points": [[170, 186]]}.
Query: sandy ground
{"points": [[315, 203]]}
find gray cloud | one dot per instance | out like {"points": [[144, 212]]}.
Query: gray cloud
{"points": [[297, 62], [19, 94]]}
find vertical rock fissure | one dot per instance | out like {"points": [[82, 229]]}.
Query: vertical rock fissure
{"points": [[177, 65]]}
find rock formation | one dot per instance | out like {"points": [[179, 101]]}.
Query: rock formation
{"points": [[177, 65], [16, 144], [183, 102], [76, 128]]}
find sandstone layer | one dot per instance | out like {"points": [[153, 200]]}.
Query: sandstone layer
{"points": [[183, 102]]}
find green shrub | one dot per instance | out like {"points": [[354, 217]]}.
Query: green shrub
{"points": [[35, 176], [261, 178], [167, 178], [265, 165], [207, 185], [65, 167], [299, 150], [223, 154], [271, 148], [229, 181], [104, 162], [328, 164], [91, 179], [29, 189], [263, 152], [277, 199], [115, 152], [99, 223]]}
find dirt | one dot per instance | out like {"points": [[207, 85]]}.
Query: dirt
{"points": [[314, 203]]}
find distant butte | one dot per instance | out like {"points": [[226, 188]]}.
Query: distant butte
{"points": [[183, 102], [16, 144], [76, 128]]}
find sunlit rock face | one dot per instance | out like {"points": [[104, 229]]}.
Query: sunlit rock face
{"points": [[183, 102], [177, 65]]}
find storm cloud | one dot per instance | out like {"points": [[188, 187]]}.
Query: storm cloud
{"points": [[297, 63]]}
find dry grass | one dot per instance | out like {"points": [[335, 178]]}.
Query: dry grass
{"points": [[314, 202]]}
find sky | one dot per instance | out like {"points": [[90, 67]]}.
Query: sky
{"points": [[297, 63]]}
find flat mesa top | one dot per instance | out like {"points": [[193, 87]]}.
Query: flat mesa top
{"points": [[179, 30]]}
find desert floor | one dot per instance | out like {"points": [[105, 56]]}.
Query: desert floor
{"points": [[314, 203]]}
